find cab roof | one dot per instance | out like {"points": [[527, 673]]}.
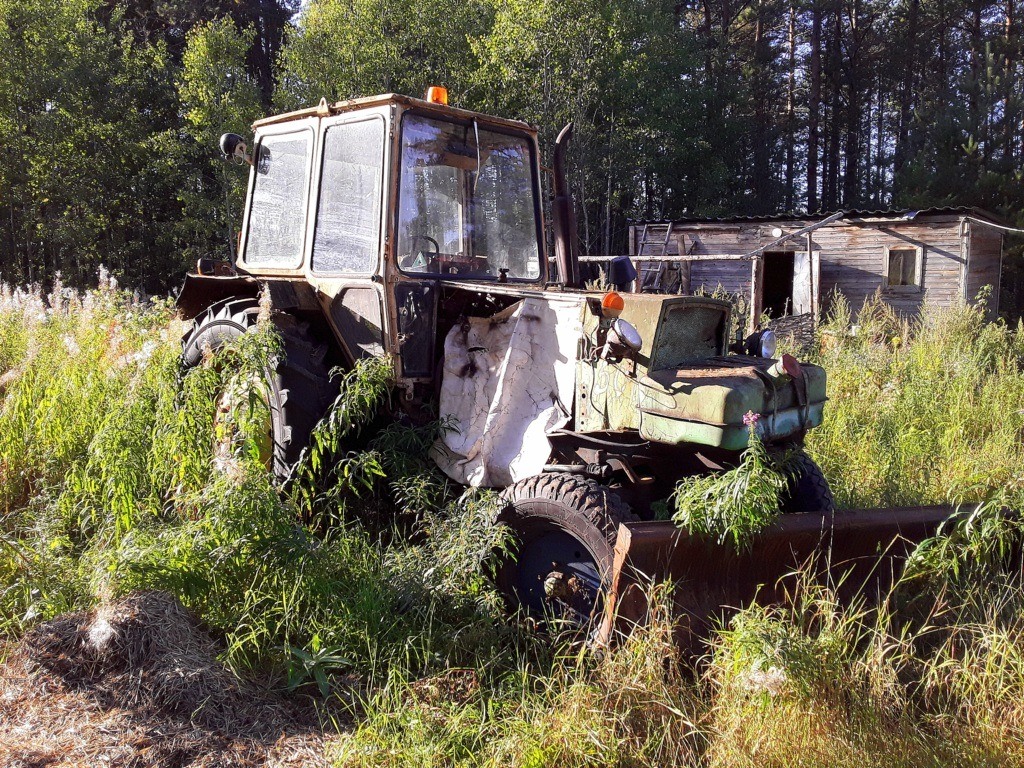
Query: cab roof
{"points": [[323, 109]]}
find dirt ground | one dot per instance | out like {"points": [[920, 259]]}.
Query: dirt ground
{"points": [[136, 683]]}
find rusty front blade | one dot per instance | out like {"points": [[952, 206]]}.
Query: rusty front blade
{"points": [[859, 551]]}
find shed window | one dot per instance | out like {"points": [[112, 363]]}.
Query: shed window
{"points": [[903, 268]]}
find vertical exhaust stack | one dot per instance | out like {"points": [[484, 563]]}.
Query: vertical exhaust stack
{"points": [[564, 217]]}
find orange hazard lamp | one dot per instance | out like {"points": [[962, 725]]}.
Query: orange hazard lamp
{"points": [[437, 94], [612, 304]]}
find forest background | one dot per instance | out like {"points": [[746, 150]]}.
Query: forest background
{"points": [[110, 111]]}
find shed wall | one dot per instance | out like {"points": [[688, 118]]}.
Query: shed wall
{"points": [[852, 256]]}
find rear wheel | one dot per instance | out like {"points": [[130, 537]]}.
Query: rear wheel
{"points": [[564, 528], [296, 388]]}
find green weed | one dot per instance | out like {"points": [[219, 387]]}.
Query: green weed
{"points": [[921, 411], [735, 504], [370, 585]]}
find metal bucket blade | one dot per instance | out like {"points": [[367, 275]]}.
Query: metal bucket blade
{"points": [[861, 551]]}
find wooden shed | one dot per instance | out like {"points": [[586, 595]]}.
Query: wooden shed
{"points": [[787, 265]]}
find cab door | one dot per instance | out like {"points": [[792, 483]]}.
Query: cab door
{"points": [[347, 237]]}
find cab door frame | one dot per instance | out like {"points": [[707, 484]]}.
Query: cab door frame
{"points": [[331, 286]]}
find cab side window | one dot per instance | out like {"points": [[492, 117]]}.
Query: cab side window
{"points": [[347, 237], [277, 212]]}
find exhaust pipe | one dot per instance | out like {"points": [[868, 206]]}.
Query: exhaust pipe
{"points": [[564, 217]]}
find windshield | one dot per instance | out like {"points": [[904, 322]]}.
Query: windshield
{"points": [[467, 204]]}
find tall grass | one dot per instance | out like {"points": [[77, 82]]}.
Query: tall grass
{"points": [[108, 483], [369, 583], [928, 410]]}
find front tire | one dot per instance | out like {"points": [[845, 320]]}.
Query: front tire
{"points": [[297, 386], [564, 527], [808, 489]]}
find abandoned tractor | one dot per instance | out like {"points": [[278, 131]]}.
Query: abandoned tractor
{"points": [[407, 228]]}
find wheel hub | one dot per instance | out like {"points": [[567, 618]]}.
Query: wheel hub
{"points": [[556, 576]]}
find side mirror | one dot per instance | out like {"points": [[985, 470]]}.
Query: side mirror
{"points": [[233, 146]]}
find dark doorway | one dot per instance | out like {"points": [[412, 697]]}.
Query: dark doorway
{"points": [[777, 286]]}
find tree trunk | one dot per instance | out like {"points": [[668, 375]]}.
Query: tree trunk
{"points": [[813, 109], [907, 88], [762, 141], [790, 109], [1009, 66], [851, 173]]}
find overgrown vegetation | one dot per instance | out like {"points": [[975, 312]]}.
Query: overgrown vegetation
{"points": [[922, 411], [735, 504], [378, 601], [108, 485]]}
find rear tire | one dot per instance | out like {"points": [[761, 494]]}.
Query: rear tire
{"points": [[565, 528], [298, 386], [808, 491]]}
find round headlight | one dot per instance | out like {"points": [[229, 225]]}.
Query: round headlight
{"points": [[769, 343], [627, 333]]}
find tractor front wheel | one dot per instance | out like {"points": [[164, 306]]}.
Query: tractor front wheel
{"points": [[808, 490], [564, 528]]}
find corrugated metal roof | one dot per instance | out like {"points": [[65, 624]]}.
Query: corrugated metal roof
{"points": [[888, 213]]}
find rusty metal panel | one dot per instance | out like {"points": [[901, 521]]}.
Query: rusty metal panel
{"points": [[859, 552], [200, 291]]}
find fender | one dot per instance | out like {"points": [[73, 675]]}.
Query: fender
{"points": [[200, 291]]}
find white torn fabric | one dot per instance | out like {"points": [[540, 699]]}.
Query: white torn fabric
{"points": [[509, 380]]}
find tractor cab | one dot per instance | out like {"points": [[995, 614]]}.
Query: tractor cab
{"points": [[389, 215]]}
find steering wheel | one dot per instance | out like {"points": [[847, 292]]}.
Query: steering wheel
{"points": [[414, 257]]}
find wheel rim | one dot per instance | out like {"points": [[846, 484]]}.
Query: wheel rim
{"points": [[243, 407], [555, 575]]}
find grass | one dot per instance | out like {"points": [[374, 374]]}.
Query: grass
{"points": [[367, 585], [920, 411]]}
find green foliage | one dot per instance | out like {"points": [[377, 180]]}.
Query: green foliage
{"points": [[80, 178], [632, 707], [738, 503], [110, 130], [314, 664], [325, 472], [922, 411], [380, 47], [975, 542], [108, 484], [217, 95]]}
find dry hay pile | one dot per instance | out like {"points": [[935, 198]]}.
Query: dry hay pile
{"points": [[136, 683]]}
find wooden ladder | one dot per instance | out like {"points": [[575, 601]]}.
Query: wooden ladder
{"points": [[652, 273]]}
